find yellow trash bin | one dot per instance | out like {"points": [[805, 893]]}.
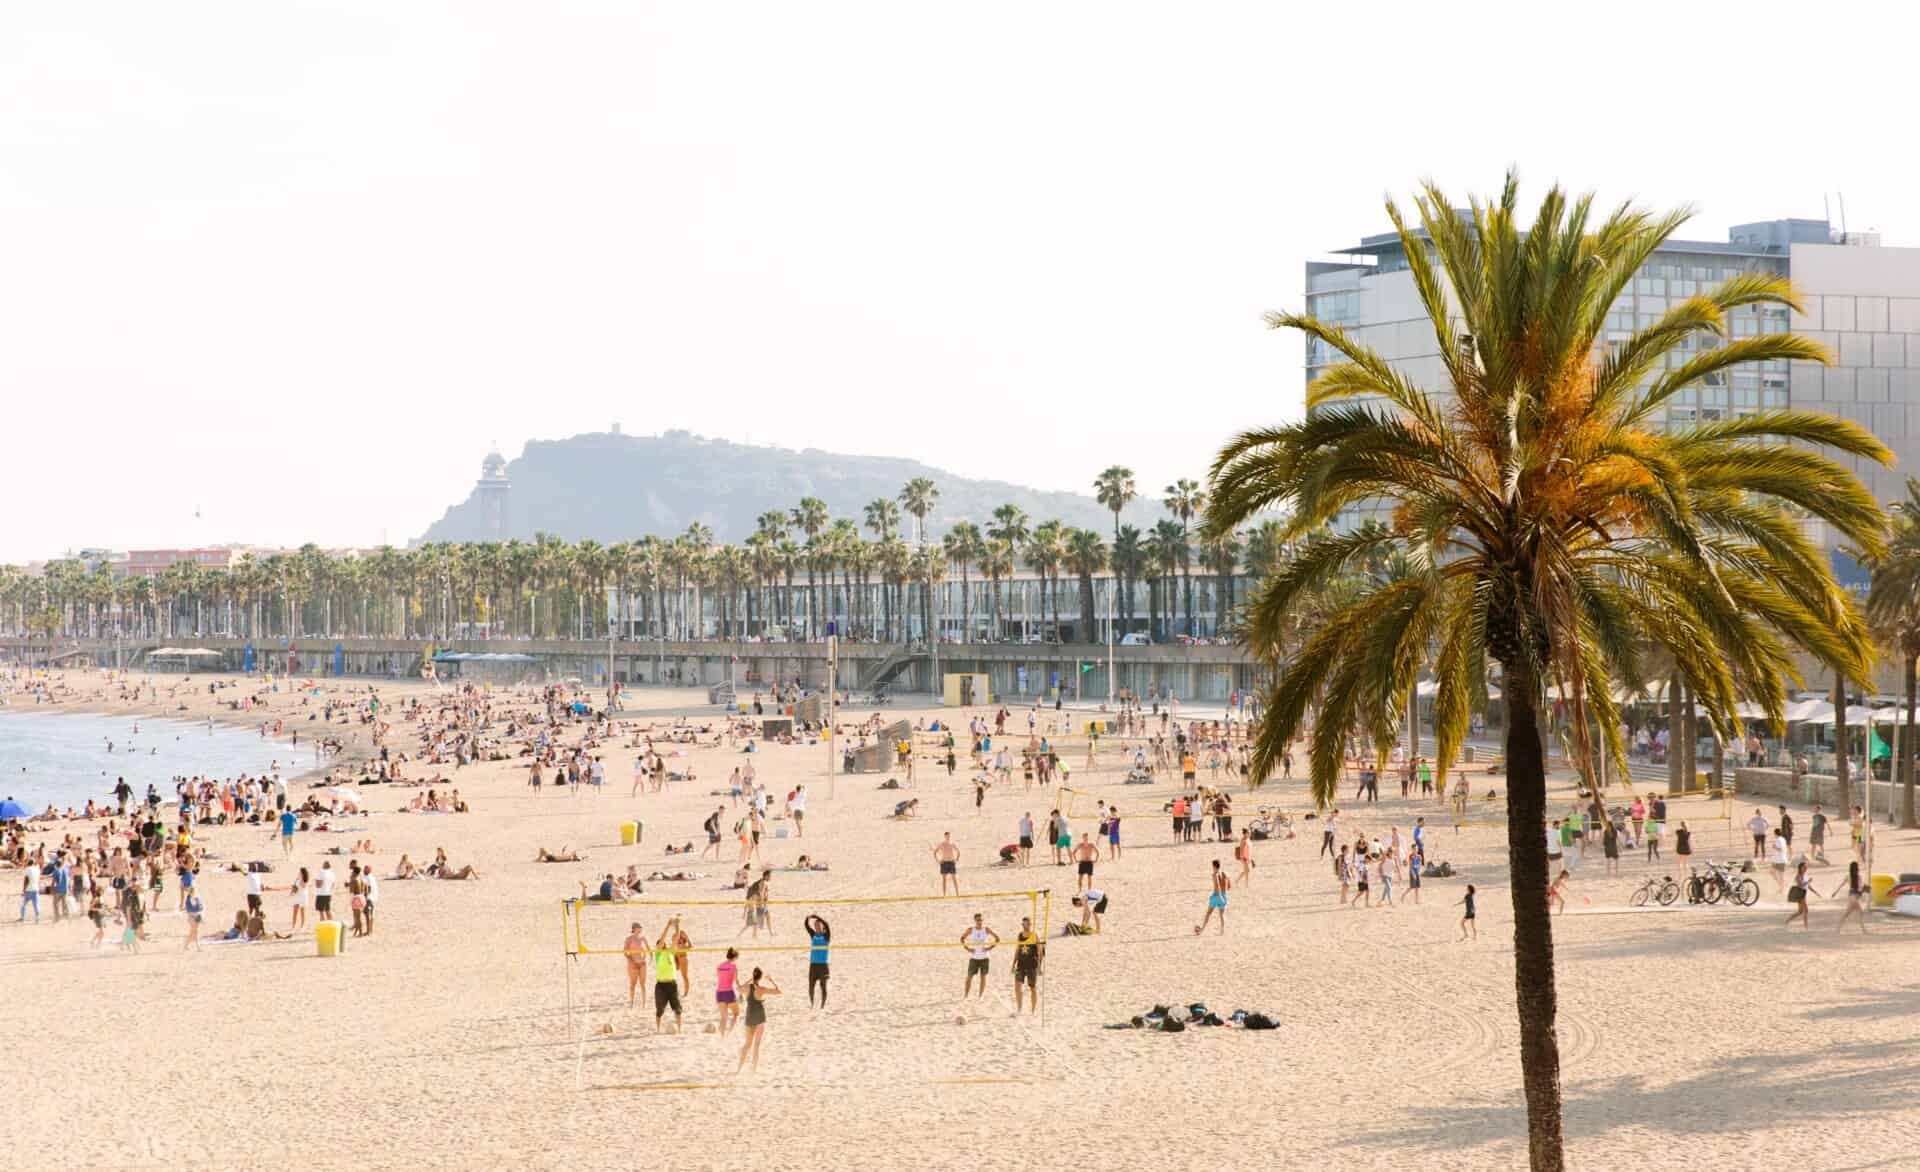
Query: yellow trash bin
{"points": [[629, 833], [326, 938], [1882, 884]]}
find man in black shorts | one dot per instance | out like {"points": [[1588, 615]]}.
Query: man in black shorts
{"points": [[947, 854], [1026, 966], [1083, 859], [979, 941], [712, 827], [666, 976]]}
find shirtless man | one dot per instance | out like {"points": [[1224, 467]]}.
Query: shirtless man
{"points": [[947, 855], [1084, 857], [979, 941], [1216, 901]]}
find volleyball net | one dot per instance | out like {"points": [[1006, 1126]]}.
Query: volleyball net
{"points": [[858, 924]]}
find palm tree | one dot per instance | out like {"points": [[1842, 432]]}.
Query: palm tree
{"points": [[1220, 553], [1046, 548], [1007, 534], [1166, 548], [893, 558], [1186, 500], [1086, 556], [996, 563], [810, 517], [963, 547], [1129, 562], [1893, 607], [1115, 489], [1550, 521], [883, 517], [918, 498]]}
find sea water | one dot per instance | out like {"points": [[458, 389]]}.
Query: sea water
{"points": [[63, 759]]}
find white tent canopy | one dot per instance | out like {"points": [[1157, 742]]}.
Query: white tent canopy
{"points": [[182, 652]]}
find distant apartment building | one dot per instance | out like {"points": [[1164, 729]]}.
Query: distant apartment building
{"points": [[149, 563], [1862, 302]]}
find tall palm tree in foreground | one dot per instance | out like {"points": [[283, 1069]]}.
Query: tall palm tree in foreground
{"points": [[1548, 521]]}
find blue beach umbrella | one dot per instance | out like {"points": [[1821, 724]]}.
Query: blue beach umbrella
{"points": [[11, 810]]}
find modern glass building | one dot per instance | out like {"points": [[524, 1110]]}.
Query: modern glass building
{"points": [[1862, 302]]}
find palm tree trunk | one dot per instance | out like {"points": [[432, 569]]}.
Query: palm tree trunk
{"points": [[1907, 820], [1534, 993], [1675, 730], [1840, 742]]}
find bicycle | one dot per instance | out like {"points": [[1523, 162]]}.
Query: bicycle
{"points": [[1662, 891], [1721, 881]]}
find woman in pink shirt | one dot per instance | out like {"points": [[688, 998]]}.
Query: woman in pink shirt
{"points": [[723, 993]]}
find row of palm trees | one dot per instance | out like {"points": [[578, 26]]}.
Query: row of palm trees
{"points": [[800, 569]]}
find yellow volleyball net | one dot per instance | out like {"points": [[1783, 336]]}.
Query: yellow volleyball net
{"points": [[859, 923]]}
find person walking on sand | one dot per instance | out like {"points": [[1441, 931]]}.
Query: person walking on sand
{"points": [[979, 941], [1817, 835], [759, 988], [1328, 830], [1468, 928], [1779, 858], [1343, 871], [1797, 896], [1243, 854], [1216, 900], [947, 855], [1416, 862], [1856, 895], [1026, 839]]}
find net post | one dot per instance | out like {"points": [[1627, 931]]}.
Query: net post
{"points": [[1046, 939]]}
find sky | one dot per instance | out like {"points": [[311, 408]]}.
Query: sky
{"points": [[277, 273]]}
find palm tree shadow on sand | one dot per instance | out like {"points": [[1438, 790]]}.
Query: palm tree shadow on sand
{"points": [[1755, 1093]]}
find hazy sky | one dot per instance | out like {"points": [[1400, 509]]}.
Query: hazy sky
{"points": [[297, 266]]}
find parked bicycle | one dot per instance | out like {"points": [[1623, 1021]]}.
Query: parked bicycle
{"points": [[1662, 891], [1718, 881]]}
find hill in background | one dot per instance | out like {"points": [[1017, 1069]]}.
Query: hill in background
{"points": [[615, 487]]}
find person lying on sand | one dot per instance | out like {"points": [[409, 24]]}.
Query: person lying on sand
{"points": [[442, 869], [807, 863], [675, 876], [566, 855]]}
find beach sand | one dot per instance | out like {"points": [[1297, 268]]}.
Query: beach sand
{"points": [[1710, 1037]]}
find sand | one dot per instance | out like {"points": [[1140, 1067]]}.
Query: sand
{"points": [[1714, 1037]]}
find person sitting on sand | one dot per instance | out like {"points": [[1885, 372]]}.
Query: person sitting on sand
{"points": [[566, 855], [257, 928], [906, 809], [442, 869], [406, 869]]}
